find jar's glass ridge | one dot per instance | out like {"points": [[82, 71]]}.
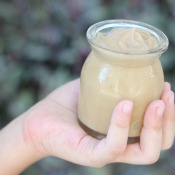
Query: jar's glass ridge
{"points": [[109, 24]]}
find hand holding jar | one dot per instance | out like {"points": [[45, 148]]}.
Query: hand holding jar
{"points": [[51, 128]]}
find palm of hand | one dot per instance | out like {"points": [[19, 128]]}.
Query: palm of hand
{"points": [[53, 129]]}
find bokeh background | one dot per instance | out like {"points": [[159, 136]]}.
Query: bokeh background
{"points": [[43, 45]]}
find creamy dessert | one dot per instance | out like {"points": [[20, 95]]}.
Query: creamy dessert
{"points": [[127, 40], [124, 64]]}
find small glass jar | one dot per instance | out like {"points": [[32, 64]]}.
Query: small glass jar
{"points": [[109, 76]]}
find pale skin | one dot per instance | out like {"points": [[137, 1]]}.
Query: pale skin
{"points": [[50, 128]]}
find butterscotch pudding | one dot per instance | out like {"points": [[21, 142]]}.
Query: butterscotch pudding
{"points": [[123, 64]]}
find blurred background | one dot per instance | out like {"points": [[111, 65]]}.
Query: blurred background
{"points": [[43, 45]]}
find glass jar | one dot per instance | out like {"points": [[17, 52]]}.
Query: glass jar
{"points": [[109, 76]]}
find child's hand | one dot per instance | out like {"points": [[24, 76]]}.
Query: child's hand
{"points": [[51, 128]]}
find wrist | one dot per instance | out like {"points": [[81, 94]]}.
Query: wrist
{"points": [[16, 154]]}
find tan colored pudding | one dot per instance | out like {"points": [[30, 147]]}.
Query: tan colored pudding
{"points": [[129, 40], [124, 64]]}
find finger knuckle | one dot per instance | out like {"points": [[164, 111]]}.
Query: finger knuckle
{"points": [[113, 153], [116, 151], [122, 124], [151, 159]]}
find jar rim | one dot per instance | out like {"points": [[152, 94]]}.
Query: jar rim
{"points": [[95, 28]]}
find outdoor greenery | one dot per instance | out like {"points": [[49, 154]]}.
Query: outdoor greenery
{"points": [[43, 45]]}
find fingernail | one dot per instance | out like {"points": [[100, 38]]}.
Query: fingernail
{"points": [[171, 99], [160, 110], [127, 107]]}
